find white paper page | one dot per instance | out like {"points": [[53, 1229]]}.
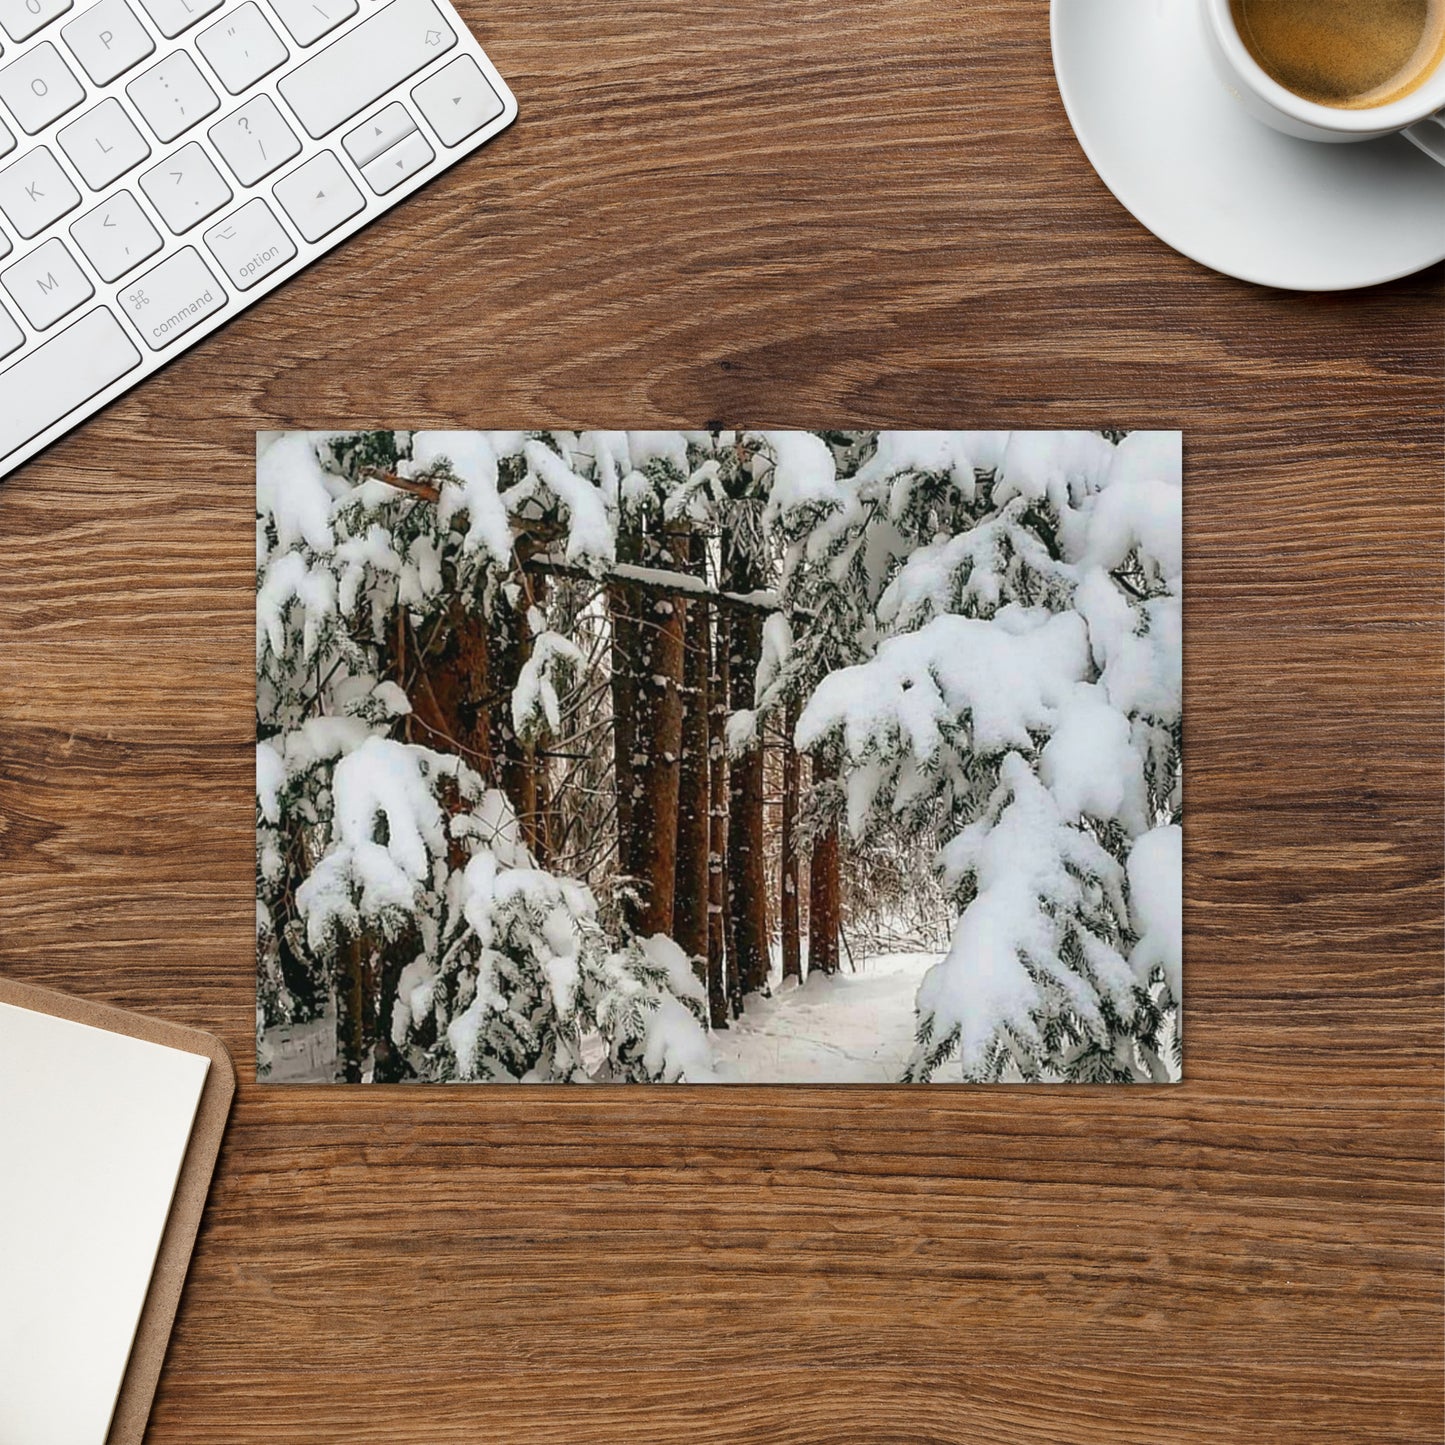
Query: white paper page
{"points": [[93, 1130]]}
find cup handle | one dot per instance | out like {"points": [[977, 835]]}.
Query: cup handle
{"points": [[1429, 135]]}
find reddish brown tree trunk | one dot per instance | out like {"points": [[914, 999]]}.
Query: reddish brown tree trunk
{"points": [[511, 646], [691, 890], [719, 930], [513, 760], [825, 894], [651, 834], [747, 870], [351, 1007], [622, 606], [788, 869], [389, 1064], [542, 842], [539, 834], [449, 686]]}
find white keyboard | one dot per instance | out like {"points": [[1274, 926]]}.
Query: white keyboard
{"points": [[164, 163]]}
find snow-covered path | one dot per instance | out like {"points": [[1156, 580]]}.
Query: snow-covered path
{"points": [[853, 1028]]}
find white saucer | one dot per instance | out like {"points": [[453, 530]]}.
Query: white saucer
{"points": [[1181, 154]]}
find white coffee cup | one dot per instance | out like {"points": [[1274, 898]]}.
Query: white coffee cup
{"points": [[1420, 115]]}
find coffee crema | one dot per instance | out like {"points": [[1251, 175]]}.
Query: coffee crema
{"points": [[1351, 54]]}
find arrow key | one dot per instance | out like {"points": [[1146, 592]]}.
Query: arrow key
{"points": [[399, 164], [457, 101], [116, 236], [379, 133], [319, 195]]}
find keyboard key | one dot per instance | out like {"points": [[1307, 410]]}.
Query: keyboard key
{"points": [[172, 96], [53, 380], [116, 237], [107, 40], [255, 140], [47, 284], [34, 191], [22, 18], [378, 134], [457, 101], [400, 163], [360, 67], [259, 134], [173, 16], [12, 338], [39, 88], [176, 296], [250, 244], [309, 20], [241, 48], [186, 188], [318, 196], [103, 144]]}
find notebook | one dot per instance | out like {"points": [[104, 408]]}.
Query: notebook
{"points": [[103, 1171]]}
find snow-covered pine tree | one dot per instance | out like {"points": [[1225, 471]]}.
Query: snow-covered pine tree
{"points": [[648, 645], [390, 876], [830, 587], [1016, 600], [981, 631]]}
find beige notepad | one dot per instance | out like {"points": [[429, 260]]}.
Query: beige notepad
{"points": [[103, 1173]]}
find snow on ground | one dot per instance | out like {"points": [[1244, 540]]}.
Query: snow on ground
{"points": [[852, 1028]]}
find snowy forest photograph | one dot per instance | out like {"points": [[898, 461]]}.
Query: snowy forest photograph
{"points": [[719, 757]]}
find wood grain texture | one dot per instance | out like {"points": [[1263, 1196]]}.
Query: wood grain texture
{"points": [[799, 213]]}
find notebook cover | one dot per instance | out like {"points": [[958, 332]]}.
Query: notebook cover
{"points": [[143, 1372]]}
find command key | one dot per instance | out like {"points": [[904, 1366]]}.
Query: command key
{"points": [[169, 301]]}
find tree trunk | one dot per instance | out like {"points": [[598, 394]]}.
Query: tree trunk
{"points": [[351, 1008], [825, 899], [788, 883], [720, 942], [540, 833], [691, 890], [651, 834], [542, 841], [621, 607], [511, 647], [747, 873], [449, 686], [389, 1064]]}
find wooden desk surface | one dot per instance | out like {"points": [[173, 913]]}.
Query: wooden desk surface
{"points": [[798, 213]]}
